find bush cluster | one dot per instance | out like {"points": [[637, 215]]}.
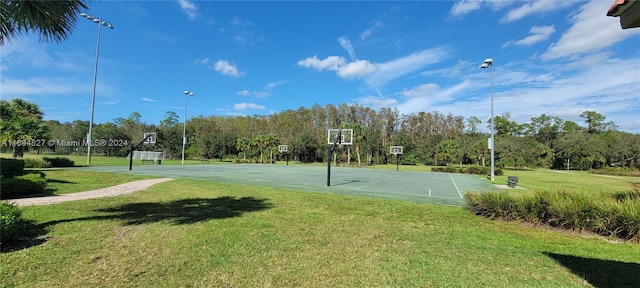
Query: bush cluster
{"points": [[476, 170], [12, 225], [241, 161], [24, 185], [607, 214], [36, 163], [59, 161], [11, 167]]}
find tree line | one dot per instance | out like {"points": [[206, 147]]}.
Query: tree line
{"points": [[430, 138]]}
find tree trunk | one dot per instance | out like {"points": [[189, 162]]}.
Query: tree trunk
{"points": [[358, 153]]}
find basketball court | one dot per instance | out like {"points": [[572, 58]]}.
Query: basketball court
{"points": [[426, 187]]}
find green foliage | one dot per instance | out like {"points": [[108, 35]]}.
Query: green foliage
{"points": [[36, 163], [59, 161], [241, 161], [11, 167], [476, 170], [608, 214], [12, 224], [19, 186]]}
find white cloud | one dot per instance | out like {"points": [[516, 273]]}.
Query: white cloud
{"points": [[366, 33], [535, 7], [377, 102], [590, 32], [330, 63], [357, 69], [402, 66], [202, 61], [10, 88], [189, 8], [536, 34], [272, 85], [346, 44], [464, 7], [421, 90], [425, 97], [226, 68], [258, 94], [246, 105], [145, 99]]}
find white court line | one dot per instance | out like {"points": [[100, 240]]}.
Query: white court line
{"points": [[454, 184], [427, 189], [376, 182]]}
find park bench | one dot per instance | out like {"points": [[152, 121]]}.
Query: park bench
{"points": [[512, 181], [203, 161], [147, 161]]}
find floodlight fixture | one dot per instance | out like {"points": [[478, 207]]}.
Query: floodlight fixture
{"points": [[100, 23], [489, 62], [184, 126]]}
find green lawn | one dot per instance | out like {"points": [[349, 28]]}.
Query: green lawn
{"points": [[64, 181], [81, 160], [190, 233]]}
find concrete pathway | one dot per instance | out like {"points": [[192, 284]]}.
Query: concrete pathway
{"points": [[121, 189]]}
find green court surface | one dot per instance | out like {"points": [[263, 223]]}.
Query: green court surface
{"points": [[426, 187]]}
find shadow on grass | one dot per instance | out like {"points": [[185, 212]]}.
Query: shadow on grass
{"points": [[60, 181], [179, 212], [600, 273], [185, 211]]}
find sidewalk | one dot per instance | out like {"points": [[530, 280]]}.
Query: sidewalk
{"points": [[121, 189]]}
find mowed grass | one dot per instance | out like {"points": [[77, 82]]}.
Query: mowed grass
{"points": [[547, 179], [191, 233], [64, 181], [81, 160]]}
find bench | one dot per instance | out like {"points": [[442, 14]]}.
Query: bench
{"points": [[512, 181], [203, 161], [148, 161]]}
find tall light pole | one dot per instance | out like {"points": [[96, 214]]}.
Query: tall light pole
{"points": [[187, 93], [489, 62], [100, 22]]}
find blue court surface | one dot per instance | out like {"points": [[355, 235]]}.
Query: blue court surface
{"points": [[426, 187]]}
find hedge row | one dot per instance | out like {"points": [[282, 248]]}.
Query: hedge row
{"points": [[12, 225], [609, 214], [24, 185], [476, 170]]}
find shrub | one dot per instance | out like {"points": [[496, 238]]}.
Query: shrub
{"points": [[36, 163], [59, 162], [11, 167], [12, 225], [29, 184], [608, 214], [240, 161]]}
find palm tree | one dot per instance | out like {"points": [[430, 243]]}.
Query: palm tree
{"points": [[243, 144], [260, 143], [21, 121], [53, 20], [270, 141]]}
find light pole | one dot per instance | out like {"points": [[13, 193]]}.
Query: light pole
{"points": [[187, 93], [489, 62], [100, 22]]}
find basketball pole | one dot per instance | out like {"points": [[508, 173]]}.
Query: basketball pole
{"points": [[134, 148], [330, 152]]}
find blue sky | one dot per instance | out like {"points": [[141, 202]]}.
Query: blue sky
{"points": [[558, 58]]}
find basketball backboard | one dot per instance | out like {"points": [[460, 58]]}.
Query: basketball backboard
{"points": [[151, 139], [345, 139], [395, 150], [283, 148]]}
